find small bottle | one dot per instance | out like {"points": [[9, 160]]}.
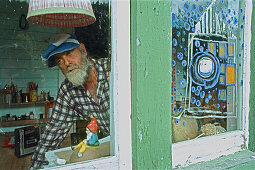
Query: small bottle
{"points": [[18, 97], [8, 95], [27, 116], [31, 115], [8, 98], [26, 100], [50, 109], [42, 96], [48, 96], [8, 117], [21, 100], [14, 117]]}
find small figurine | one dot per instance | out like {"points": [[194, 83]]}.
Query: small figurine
{"points": [[92, 138]]}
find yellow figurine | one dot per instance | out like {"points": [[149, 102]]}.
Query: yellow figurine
{"points": [[92, 138]]}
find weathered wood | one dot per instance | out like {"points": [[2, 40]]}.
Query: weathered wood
{"points": [[151, 84], [206, 148], [252, 84]]}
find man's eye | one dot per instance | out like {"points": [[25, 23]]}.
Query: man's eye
{"points": [[59, 61], [68, 52]]}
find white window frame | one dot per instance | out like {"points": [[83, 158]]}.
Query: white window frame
{"points": [[120, 88], [207, 148]]}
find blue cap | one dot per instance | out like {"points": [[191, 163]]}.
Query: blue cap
{"points": [[58, 44]]}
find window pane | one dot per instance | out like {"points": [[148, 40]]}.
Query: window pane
{"points": [[29, 90], [207, 63]]}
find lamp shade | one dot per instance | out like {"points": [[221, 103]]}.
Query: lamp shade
{"points": [[61, 13]]}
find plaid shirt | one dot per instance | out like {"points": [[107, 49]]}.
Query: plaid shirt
{"points": [[75, 103]]}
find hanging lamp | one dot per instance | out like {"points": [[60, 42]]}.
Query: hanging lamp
{"points": [[61, 13]]}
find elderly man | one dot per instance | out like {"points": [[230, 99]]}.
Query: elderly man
{"points": [[82, 95]]}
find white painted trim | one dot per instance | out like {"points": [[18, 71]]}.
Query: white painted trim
{"points": [[206, 148], [246, 71], [122, 84], [110, 162]]}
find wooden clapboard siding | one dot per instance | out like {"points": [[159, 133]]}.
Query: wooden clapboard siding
{"points": [[20, 55], [20, 63], [29, 73]]}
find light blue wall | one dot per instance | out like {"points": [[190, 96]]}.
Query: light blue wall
{"points": [[20, 51]]}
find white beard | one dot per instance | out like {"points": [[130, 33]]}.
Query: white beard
{"points": [[78, 76]]}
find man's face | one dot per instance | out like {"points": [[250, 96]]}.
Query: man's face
{"points": [[75, 65]]}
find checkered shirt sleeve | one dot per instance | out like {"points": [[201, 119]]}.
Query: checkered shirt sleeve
{"points": [[56, 129]]}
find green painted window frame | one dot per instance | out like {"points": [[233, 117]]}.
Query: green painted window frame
{"points": [[151, 37], [251, 144], [149, 118]]}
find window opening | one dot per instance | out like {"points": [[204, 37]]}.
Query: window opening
{"points": [[21, 66], [97, 39], [207, 63]]}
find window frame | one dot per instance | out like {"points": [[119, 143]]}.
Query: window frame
{"points": [[120, 93], [207, 148], [121, 148]]}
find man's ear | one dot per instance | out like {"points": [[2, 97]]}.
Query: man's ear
{"points": [[83, 47]]}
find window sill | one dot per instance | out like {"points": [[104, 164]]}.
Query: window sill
{"points": [[111, 162], [207, 148], [239, 160], [108, 162]]}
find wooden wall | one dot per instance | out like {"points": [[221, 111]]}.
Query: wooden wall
{"points": [[20, 54]]}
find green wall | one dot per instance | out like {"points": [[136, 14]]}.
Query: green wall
{"points": [[252, 85], [151, 84], [20, 59]]}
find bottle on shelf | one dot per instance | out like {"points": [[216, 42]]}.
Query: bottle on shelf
{"points": [[50, 109], [48, 96], [31, 115], [8, 95]]}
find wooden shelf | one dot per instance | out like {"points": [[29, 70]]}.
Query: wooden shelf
{"points": [[26, 103], [26, 122], [22, 122]]}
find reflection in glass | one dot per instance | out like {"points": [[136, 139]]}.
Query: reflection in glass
{"points": [[22, 71], [207, 64]]}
